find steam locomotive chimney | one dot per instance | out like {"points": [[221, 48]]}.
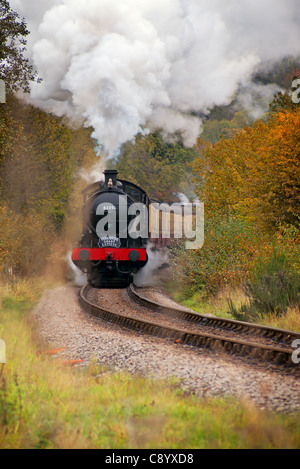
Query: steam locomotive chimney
{"points": [[110, 177]]}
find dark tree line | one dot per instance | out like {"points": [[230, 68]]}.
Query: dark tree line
{"points": [[15, 68]]}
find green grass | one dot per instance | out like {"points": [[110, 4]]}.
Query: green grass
{"points": [[46, 405], [219, 306]]}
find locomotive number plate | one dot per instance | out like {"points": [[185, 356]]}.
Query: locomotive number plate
{"points": [[109, 242]]}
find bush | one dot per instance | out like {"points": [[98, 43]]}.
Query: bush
{"points": [[273, 287], [228, 253], [25, 242]]}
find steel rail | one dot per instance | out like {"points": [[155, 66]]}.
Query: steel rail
{"points": [[282, 336], [263, 353]]}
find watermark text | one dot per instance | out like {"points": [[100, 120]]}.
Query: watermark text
{"points": [[160, 220], [2, 92], [296, 353], [296, 92], [2, 352]]}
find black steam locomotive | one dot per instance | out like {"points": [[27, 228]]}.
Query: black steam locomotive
{"points": [[115, 232]]}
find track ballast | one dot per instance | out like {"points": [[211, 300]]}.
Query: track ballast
{"points": [[183, 326]]}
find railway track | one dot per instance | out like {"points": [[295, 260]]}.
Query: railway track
{"points": [[183, 326]]}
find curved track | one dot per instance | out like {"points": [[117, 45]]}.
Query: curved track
{"points": [[252, 341]]}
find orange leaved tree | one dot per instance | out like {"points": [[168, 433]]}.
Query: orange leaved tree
{"points": [[255, 174]]}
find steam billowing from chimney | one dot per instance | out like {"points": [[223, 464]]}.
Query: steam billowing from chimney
{"points": [[129, 66]]}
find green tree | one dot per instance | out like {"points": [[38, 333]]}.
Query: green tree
{"points": [[161, 169], [37, 184], [215, 129], [15, 68]]}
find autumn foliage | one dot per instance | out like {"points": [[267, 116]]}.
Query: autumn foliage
{"points": [[39, 158], [255, 174], [250, 184]]}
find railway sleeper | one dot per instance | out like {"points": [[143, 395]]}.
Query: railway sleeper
{"points": [[228, 346], [162, 333], [210, 342], [228, 325], [245, 350], [236, 348], [275, 356], [268, 355], [258, 353], [195, 341], [199, 342], [218, 344], [281, 358]]}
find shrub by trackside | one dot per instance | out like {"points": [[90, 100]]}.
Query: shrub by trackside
{"points": [[272, 288]]}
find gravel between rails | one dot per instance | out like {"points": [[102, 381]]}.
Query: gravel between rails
{"points": [[63, 323], [130, 308]]}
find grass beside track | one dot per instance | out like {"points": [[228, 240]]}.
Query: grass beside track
{"points": [[219, 306], [45, 405]]}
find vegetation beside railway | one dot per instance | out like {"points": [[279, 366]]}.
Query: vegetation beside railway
{"points": [[45, 405], [250, 186], [248, 180], [251, 193]]}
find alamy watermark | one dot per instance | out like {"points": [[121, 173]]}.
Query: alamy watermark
{"points": [[2, 352], [2, 92], [296, 353], [161, 220], [296, 92]]}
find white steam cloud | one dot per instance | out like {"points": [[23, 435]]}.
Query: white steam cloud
{"points": [[129, 66]]}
